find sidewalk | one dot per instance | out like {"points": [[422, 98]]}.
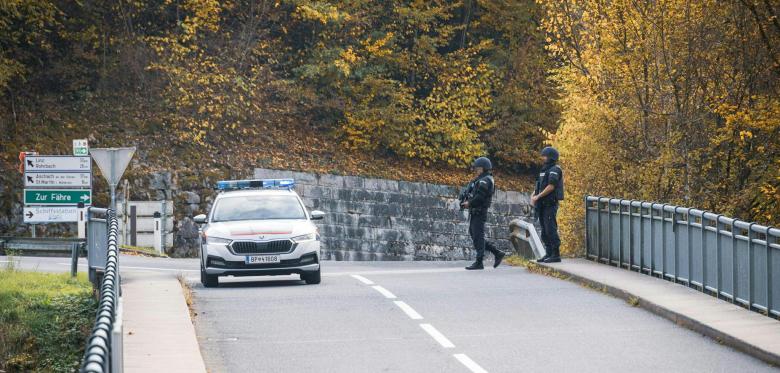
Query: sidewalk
{"points": [[158, 333], [747, 331]]}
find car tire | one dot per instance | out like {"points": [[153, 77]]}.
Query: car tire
{"points": [[312, 278], [209, 281]]}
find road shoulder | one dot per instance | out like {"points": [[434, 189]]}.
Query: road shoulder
{"points": [[749, 332]]}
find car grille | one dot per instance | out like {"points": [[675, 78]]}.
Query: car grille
{"points": [[267, 247]]}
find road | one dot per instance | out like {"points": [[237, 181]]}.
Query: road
{"points": [[450, 320]]}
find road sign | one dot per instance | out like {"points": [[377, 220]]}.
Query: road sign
{"points": [[49, 163], [80, 147], [58, 179], [59, 197], [47, 214], [112, 163]]}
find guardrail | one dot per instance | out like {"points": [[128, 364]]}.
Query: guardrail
{"points": [[74, 247], [521, 230], [103, 352], [39, 245], [728, 258]]}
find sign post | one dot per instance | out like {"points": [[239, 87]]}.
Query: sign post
{"points": [[112, 163]]}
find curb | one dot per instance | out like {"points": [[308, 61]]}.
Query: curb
{"points": [[676, 317]]}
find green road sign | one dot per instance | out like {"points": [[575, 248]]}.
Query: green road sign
{"points": [[57, 196]]}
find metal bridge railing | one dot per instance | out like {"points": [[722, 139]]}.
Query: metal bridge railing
{"points": [[103, 352], [728, 258]]}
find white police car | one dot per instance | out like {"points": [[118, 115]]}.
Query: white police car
{"points": [[258, 228]]}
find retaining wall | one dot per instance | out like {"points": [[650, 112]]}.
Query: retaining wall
{"points": [[379, 219]]}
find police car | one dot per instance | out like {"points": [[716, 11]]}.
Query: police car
{"points": [[258, 228]]}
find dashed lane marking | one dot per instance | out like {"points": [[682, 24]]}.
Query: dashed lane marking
{"points": [[443, 341], [363, 279], [408, 310], [465, 360], [384, 292]]}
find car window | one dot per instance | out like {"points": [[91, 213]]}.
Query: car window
{"points": [[258, 208]]}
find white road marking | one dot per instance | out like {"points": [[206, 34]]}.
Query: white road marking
{"points": [[394, 272], [408, 310], [384, 292], [363, 279], [443, 341], [465, 360]]}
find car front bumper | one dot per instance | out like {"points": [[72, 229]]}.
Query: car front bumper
{"points": [[304, 258]]}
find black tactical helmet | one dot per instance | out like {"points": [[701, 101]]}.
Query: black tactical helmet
{"points": [[550, 153], [482, 162]]}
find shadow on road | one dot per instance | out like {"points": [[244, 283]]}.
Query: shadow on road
{"points": [[256, 284]]}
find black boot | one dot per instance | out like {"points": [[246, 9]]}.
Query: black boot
{"points": [[499, 256], [542, 259], [476, 265], [553, 259]]}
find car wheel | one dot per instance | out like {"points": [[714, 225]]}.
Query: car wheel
{"points": [[208, 280], [312, 278]]}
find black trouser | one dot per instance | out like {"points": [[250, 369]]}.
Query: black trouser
{"points": [[477, 232], [548, 220]]}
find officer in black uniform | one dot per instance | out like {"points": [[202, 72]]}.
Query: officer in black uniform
{"points": [[476, 198], [549, 190]]}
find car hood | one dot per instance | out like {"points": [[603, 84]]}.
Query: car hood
{"points": [[259, 229]]}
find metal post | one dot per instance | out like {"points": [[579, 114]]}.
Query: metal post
{"points": [[676, 246], [751, 282], [32, 230], [703, 253], [641, 237], [663, 240], [74, 258], [768, 273], [609, 231], [689, 246], [718, 264], [598, 229], [631, 235], [620, 233], [734, 283], [652, 241], [587, 228]]}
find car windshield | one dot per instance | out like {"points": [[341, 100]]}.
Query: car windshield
{"points": [[258, 208]]}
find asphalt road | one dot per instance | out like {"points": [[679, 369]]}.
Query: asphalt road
{"points": [[451, 320]]}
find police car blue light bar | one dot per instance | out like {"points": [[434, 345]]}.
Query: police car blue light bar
{"points": [[256, 184]]}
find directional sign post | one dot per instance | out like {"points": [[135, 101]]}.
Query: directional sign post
{"points": [[58, 197], [58, 180], [46, 214]]}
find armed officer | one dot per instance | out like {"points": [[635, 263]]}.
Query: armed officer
{"points": [[549, 190], [476, 198]]}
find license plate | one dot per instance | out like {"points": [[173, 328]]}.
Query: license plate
{"points": [[262, 259]]}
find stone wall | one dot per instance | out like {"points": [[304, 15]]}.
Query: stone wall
{"points": [[378, 219]]}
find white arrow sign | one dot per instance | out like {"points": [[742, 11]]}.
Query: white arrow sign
{"points": [[58, 179], [50, 214], [51, 163]]}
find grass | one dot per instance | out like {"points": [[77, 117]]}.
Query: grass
{"points": [[140, 250], [44, 320]]}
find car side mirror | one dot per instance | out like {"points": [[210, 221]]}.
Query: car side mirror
{"points": [[200, 219], [317, 215]]}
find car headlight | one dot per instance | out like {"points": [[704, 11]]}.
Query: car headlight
{"points": [[305, 237], [217, 241]]}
